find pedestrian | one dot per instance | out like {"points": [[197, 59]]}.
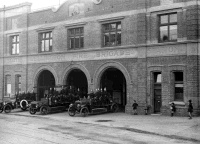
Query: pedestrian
{"points": [[135, 105], [190, 109], [173, 109]]}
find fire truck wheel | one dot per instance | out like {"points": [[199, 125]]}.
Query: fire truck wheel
{"points": [[114, 108], [1, 110], [7, 108], [44, 110], [23, 104], [32, 111], [71, 111], [84, 111]]}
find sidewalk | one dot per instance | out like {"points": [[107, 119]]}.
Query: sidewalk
{"points": [[173, 127]]}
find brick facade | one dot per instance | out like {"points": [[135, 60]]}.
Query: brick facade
{"points": [[139, 55]]}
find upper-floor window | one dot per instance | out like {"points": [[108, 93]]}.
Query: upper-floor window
{"points": [[46, 41], [178, 86], [14, 44], [76, 38], [168, 27], [112, 34]]}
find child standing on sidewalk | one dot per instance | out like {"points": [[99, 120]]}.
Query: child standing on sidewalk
{"points": [[135, 105], [173, 109], [190, 109]]}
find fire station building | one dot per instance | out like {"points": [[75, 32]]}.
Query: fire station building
{"points": [[143, 50]]}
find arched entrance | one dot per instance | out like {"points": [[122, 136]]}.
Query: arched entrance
{"points": [[45, 81], [77, 79], [114, 81]]}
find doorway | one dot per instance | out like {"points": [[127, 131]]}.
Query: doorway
{"points": [[113, 81]]}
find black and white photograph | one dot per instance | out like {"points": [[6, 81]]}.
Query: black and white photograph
{"points": [[100, 71]]}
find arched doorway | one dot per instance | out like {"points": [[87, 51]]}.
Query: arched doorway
{"points": [[77, 80], [45, 81], [114, 82]]}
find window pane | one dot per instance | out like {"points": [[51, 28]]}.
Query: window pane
{"points": [[81, 30], [178, 76], [42, 46], [173, 32], [76, 42], [173, 18], [71, 42], [118, 38], [13, 39], [112, 38], [163, 33], [106, 39], [82, 42], [50, 42], [17, 38], [157, 77], [50, 34], [17, 48], [119, 27], [164, 19], [113, 26], [47, 35], [178, 93], [46, 45], [13, 49], [106, 27], [77, 31], [43, 35]]}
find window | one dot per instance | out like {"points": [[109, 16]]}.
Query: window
{"points": [[46, 41], [112, 34], [157, 77], [168, 27], [178, 86], [18, 83], [14, 44], [76, 38], [8, 85]]}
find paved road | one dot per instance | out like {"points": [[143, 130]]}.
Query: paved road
{"points": [[59, 128]]}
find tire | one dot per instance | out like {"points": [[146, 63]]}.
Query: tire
{"points": [[7, 108], [71, 111], [114, 108], [84, 111], [44, 110], [32, 111], [23, 104]]}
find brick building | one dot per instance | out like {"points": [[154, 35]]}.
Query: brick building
{"points": [[143, 50]]}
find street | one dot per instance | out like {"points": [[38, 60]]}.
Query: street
{"points": [[20, 127]]}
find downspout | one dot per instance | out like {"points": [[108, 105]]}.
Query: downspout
{"points": [[3, 28], [27, 34], [146, 42], [198, 99]]}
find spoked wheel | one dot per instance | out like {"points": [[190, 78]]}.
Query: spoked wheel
{"points": [[44, 110], [23, 105], [84, 111], [7, 108], [71, 111], [32, 111], [115, 108]]}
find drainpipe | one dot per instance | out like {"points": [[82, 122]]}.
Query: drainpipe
{"points": [[3, 28], [198, 99], [27, 34]]}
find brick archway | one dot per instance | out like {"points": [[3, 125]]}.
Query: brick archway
{"points": [[104, 67], [73, 67]]}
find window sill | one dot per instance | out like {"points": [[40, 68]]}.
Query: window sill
{"points": [[178, 103]]}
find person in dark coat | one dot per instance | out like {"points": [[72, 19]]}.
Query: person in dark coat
{"points": [[190, 109], [135, 105], [173, 109]]}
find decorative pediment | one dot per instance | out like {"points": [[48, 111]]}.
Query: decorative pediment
{"points": [[76, 9]]}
